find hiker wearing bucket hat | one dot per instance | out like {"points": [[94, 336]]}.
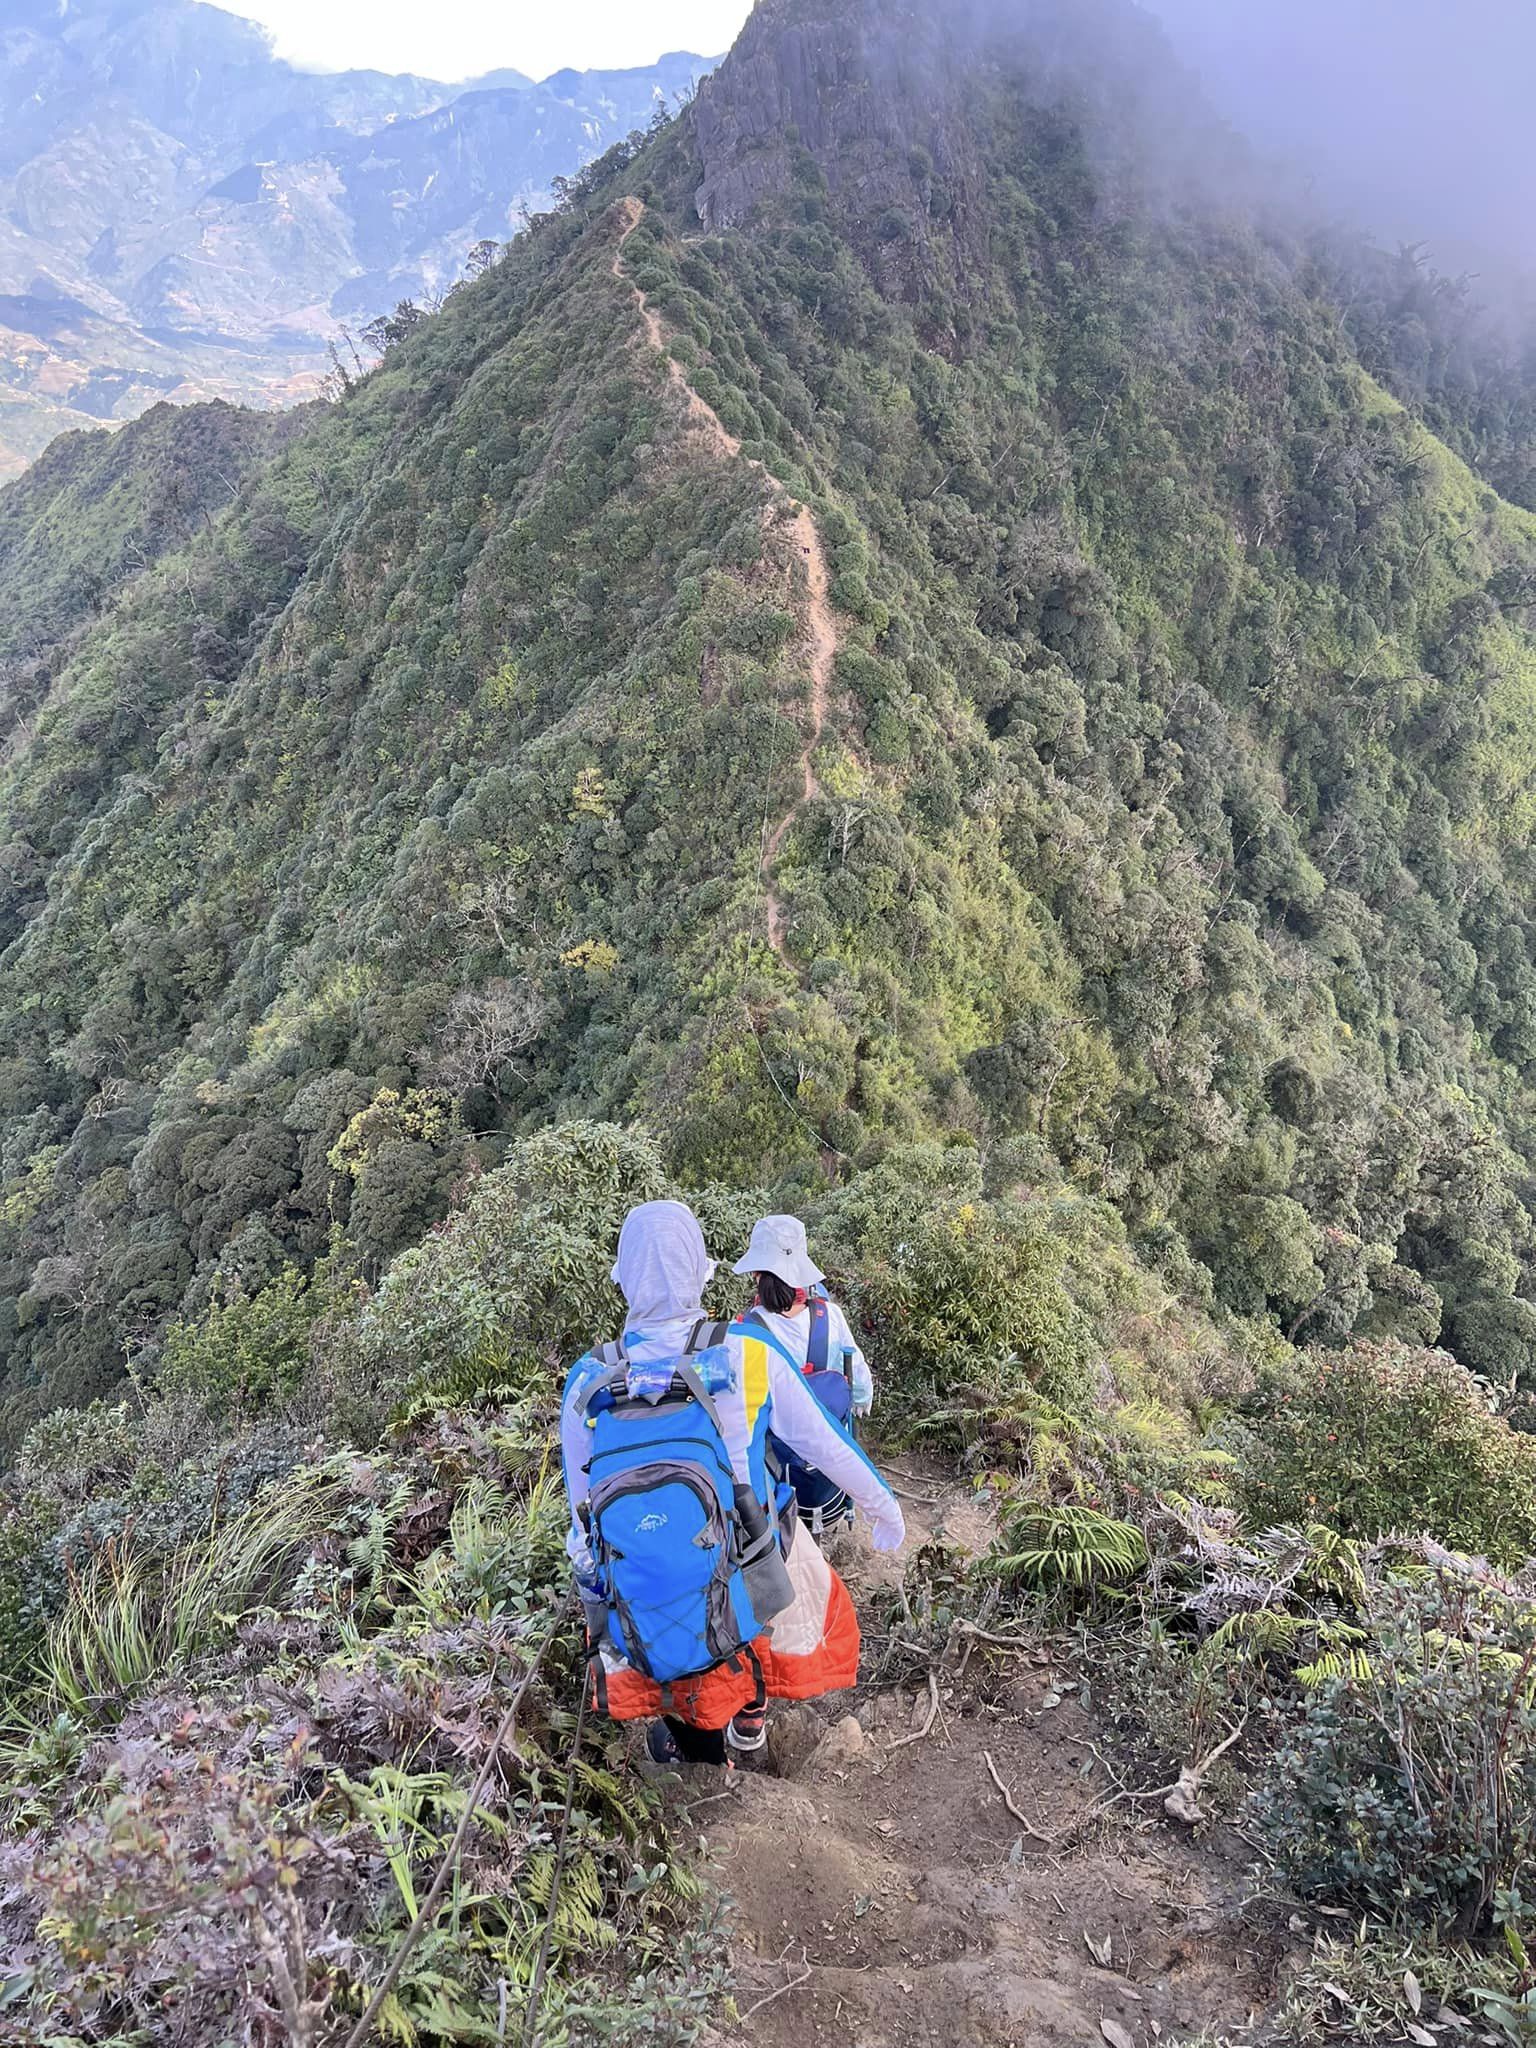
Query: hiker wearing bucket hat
{"points": [[794, 1304], [701, 1602]]}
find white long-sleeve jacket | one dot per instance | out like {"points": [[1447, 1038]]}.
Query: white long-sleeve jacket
{"points": [[794, 1332], [763, 1381]]}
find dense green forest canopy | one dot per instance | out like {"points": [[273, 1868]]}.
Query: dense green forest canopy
{"points": [[385, 785]]}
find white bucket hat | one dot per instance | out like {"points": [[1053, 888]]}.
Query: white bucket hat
{"points": [[778, 1246]]}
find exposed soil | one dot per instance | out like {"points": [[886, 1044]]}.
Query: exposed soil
{"points": [[885, 1898], [802, 536]]}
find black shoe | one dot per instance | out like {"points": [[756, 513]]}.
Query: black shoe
{"points": [[661, 1746]]}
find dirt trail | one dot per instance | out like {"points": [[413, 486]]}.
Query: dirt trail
{"points": [[885, 1898], [820, 631]]}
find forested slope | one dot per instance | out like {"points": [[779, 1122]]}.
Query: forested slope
{"points": [[1171, 809]]}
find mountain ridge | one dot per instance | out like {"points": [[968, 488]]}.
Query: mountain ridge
{"points": [[989, 702], [1157, 822]]}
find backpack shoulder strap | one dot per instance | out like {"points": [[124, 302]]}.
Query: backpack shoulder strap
{"points": [[701, 1394], [754, 1323], [611, 1377], [704, 1337], [817, 1347]]}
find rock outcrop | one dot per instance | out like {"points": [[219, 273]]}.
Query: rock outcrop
{"points": [[861, 97]]}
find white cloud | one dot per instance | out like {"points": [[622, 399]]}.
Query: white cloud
{"points": [[454, 39]]}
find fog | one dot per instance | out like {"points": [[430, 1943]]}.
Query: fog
{"points": [[1412, 118]]}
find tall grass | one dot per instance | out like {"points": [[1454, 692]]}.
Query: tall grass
{"points": [[131, 1619]]}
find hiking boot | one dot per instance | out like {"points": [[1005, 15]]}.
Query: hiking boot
{"points": [[670, 1751], [662, 1748], [747, 1736]]}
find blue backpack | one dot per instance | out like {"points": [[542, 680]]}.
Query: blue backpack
{"points": [[819, 1501], [687, 1560]]}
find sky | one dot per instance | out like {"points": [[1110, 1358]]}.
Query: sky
{"points": [[453, 39]]}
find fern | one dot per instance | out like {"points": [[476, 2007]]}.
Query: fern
{"points": [[582, 1922], [1069, 1547], [1355, 1665], [1255, 1637], [1261, 1632], [395, 2023]]}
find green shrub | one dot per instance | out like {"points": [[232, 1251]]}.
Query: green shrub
{"points": [[113, 1479], [77, 1454], [1380, 1985], [131, 1619], [1409, 1786], [524, 1263], [1385, 1438], [247, 1352], [516, 1282], [25, 1527], [957, 1292]]}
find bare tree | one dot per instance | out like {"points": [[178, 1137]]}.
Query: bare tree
{"points": [[484, 1032]]}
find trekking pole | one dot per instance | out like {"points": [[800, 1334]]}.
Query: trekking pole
{"points": [[531, 2021], [450, 1860]]}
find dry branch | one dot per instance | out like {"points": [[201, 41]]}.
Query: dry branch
{"points": [[1023, 1820], [793, 1985], [932, 1715]]}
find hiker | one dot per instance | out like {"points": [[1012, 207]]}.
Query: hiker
{"points": [[792, 1296], [794, 1306], [702, 1598]]}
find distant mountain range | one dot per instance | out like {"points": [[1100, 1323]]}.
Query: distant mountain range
{"points": [[183, 215]]}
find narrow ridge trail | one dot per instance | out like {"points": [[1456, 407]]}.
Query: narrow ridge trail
{"points": [[820, 632]]}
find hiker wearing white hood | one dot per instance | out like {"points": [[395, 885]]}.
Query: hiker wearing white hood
{"points": [[638, 1422]]}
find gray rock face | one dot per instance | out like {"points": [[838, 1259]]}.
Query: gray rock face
{"points": [[870, 91], [886, 99]]}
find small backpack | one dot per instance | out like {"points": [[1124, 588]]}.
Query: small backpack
{"points": [[687, 1561]]}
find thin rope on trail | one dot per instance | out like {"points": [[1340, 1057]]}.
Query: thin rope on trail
{"points": [[531, 2026], [450, 1860]]}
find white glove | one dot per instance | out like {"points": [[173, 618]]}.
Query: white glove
{"points": [[888, 1530]]}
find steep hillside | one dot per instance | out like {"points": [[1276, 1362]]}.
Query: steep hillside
{"points": [[100, 508], [890, 657], [184, 216], [957, 647]]}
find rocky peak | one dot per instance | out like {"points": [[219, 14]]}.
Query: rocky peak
{"points": [[886, 97], [871, 90]]}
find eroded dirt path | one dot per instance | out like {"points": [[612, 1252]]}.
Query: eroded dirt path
{"points": [[803, 536], [884, 1897]]}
